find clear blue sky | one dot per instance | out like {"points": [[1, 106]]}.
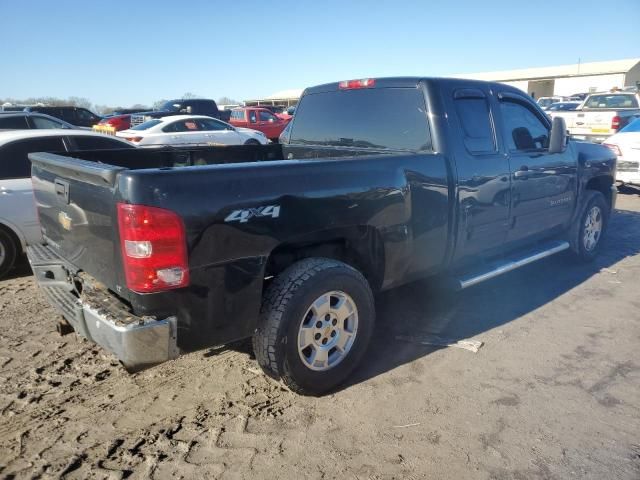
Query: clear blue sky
{"points": [[139, 51]]}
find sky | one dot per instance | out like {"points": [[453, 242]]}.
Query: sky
{"points": [[122, 53]]}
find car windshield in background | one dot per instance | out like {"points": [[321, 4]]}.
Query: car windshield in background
{"points": [[632, 127], [147, 125], [611, 101], [383, 119], [563, 106]]}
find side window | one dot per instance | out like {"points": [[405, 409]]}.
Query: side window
{"points": [[475, 119], [210, 125], [524, 131], [14, 162], [252, 116], [267, 117], [97, 143], [43, 122], [188, 125], [13, 122], [85, 117]]}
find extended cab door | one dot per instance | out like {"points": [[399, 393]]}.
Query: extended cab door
{"points": [[543, 185], [483, 171], [269, 124]]}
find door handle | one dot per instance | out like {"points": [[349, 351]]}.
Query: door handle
{"points": [[522, 173]]}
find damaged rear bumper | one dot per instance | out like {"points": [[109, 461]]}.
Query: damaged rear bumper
{"points": [[137, 342]]}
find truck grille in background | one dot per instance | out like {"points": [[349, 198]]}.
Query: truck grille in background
{"points": [[137, 120], [628, 166]]}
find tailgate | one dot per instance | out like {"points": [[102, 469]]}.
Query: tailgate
{"points": [[593, 123], [76, 203]]}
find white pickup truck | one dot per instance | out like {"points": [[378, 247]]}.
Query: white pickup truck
{"points": [[602, 115]]}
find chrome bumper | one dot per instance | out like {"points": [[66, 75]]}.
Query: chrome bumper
{"points": [[137, 342]]}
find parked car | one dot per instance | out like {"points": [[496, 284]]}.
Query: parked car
{"points": [[260, 119], [30, 120], [381, 182], [18, 220], [603, 114], [626, 145], [546, 102], [191, 106], [116, 122], [578, 97], [190, 130], [78, 116]]}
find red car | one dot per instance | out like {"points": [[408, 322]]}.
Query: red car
{"points": [[118, 122], [259, 119]]}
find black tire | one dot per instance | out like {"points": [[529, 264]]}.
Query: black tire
{"points": [[8, 252], [252, 142], [284, 308], [592, 200]]}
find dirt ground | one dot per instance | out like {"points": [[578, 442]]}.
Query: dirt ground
{"points": [[554, 393]]}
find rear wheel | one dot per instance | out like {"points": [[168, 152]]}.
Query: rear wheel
{"points": [[316, 322], [8, 252], [588, 233], [252, 142]]}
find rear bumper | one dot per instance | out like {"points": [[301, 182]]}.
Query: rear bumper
{"points": [[137, 342]]}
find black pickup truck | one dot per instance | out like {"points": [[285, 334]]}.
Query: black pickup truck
{"points": [[151, 253], [189, 106]]}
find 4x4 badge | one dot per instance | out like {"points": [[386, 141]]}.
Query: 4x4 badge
{"points": [[243, 216]]}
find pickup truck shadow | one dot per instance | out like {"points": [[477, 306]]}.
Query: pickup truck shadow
{"points": [[422, 309]]}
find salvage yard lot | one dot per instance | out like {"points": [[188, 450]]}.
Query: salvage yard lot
{"points": [[553, 393]]}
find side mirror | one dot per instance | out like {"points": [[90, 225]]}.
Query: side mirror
{"points": [[558, 139]]}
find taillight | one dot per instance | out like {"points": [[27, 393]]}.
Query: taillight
{"points": [[614, 148], [615, 123], [351, 84], [154, 248]]}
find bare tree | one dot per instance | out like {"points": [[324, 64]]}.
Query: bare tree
{"points": [[228, 101], [189, 95]]}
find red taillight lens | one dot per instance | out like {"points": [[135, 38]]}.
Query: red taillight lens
{"points": [[154, 248], [615, 123], [351, 84], [614, 148]]}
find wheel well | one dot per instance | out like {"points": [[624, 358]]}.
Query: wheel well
{"points": [[360, 247], [601, 184], [14, 237]]}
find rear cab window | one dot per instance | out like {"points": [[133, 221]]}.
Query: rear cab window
{"points": [[17, 122], [613, 100], [371, 118], [14, 162]]}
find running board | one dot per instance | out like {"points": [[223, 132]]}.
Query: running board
{"points": [[504, 266]]}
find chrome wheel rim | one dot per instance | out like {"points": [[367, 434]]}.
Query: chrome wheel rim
{"points": [[592, 228], [328, 331]]}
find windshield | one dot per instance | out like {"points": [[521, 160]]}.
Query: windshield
{"points": [[612, 101], [388, 118], [632, 127], [147, 125]]}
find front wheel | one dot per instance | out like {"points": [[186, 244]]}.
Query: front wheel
{"points": [[252, 142], [8, 253], [316, 322], [588, 232]]}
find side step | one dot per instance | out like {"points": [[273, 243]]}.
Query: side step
{"points": [[506, 265]]}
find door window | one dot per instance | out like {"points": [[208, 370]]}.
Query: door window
{"points": [[85, 117], [43, 122], [188, 125], [13, 122], [252, 116], [14, 162], [476, 125], [267, 117], [209, 124], [524, 131]]}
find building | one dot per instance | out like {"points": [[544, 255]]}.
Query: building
{"points": [[562, 80], [284, 98], [566, 80]]}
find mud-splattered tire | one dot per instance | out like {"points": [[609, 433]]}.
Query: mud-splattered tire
{"points": [[8, 253], [316, 321], [588, 233]]}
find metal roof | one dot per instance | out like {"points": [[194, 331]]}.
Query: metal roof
{"points": [[574, 70]]}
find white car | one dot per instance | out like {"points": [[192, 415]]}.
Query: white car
{"points": [[626, 145], [19, 225], [191, 130]]}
